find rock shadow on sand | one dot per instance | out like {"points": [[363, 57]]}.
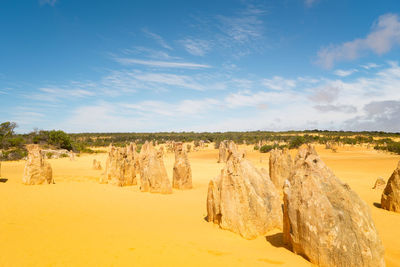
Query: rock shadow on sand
{"points": [[277, 240], [378, 205], [3, 180]]}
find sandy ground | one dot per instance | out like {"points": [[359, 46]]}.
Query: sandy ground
{"points": [[79, 222]]}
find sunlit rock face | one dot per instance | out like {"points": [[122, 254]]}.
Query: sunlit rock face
{"points": [[120, 167], [280, 166], [37, 169], [324, 220], [391, 195], [182, 173], [153, 175], [222, 154], [242, 199]]}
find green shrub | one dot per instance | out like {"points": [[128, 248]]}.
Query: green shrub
{"points": [[138, 148], [297, 141], [256, 147], [14, 154], [266, 148], [60, 139]]}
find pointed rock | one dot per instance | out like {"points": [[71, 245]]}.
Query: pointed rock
{"points": [[119, 168], [242, 199], [223, 154], [96, 165], [280, 166], [379, 184], [391, 195], [182, 173], [37, 169], [153, 175], [324, 220]]}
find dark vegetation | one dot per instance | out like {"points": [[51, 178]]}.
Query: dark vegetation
{"points": [[12, 145]]}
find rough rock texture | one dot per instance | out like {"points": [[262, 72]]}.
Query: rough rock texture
{"points": [[37, 169], [96, 165], [223, 154], [242, 199], [119, 168], [153, 175], [391, 195], [280, 166], [379, 184], [326, 221], [182, 173], [132, 166]]}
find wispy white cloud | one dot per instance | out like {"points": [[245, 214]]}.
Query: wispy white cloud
{"points": [[183, 108], [345, 73], [161, 64], [196, 47], [281, 104], [279, 83], [385, 34], [244, 27], [370, 66], [170, 79], [157, 38], [148, 52], [326, 93], [53, 93]]}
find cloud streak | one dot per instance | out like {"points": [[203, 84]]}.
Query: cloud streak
{"points": [[157, 38], [384, 35], [161, 64], [196, 47]]}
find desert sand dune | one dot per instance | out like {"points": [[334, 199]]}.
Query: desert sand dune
{"points": [[79, 222]]}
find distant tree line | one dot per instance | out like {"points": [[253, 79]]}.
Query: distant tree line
{"points": [[12, 145]]}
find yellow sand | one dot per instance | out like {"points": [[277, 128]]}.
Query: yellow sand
{"points": [[78, 222]]}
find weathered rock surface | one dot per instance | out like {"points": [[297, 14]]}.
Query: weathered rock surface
{"points": [[153, 175], [280, 166], [391, 195], [182, 173], [37, 169], [379, 184], [120, 168], [325, 220], [223, 154], [96, 165], [242, 199]]}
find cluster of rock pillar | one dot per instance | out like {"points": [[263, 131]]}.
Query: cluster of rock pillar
{"points": [[322, 218], [124, 164]]}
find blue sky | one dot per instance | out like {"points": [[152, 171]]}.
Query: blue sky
{"points": [[138, 66]]}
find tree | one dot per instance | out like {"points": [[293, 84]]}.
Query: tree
{"points": [[60, 139], [6, 132]]}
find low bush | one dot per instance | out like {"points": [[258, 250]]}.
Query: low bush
{"points": [[14, 154]]}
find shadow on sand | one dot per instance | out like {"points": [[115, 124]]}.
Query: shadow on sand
{"points": [[3, 180], [276, 240], [378, 205]]}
